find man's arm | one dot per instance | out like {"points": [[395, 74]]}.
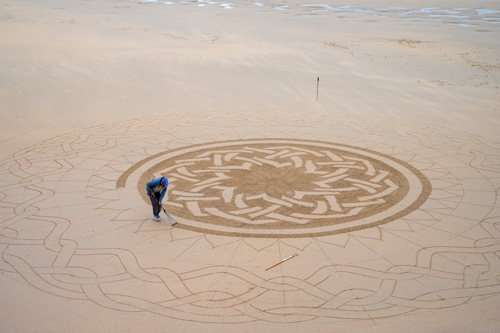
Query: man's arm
{"points": [[150, 186]]}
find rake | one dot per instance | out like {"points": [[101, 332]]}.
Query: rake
{"points": [[170, 218]]}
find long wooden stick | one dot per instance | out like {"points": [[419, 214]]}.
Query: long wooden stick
{"points": [[282, 261]]}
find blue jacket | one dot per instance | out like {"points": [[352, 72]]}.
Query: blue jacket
{"points": [[155, 184]]}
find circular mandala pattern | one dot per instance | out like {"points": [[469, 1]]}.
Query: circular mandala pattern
{"points": [[285, 188], [74, 223]]}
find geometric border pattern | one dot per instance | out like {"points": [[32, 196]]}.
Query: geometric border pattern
{"points": [[67, 230]]}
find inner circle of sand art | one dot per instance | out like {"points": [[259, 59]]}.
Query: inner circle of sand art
{"points": [[72, 225], [283, 188]]}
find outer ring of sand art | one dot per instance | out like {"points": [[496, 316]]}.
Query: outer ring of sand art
{"points": [[68, 231], [376, 200]]}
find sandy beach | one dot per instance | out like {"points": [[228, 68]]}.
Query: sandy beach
{"points": [[92, 91]]}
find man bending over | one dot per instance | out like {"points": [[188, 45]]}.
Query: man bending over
{"points": [[156, 191]]}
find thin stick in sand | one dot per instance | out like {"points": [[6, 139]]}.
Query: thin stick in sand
{"points": [[317, 88], [282, 261]]}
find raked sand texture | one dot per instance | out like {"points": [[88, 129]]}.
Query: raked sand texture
{"points": [[383, 176]]}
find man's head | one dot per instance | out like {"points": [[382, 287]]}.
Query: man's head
{"points": [[164, 181]]}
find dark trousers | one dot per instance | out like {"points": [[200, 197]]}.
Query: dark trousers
{"points": [[154, 202]]}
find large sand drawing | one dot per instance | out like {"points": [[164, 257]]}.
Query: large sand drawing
{"points": [[284, 188], [389, 217]]}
